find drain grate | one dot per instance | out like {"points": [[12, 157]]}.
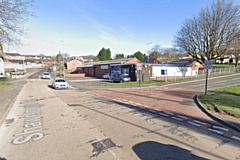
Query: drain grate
{"points": [[103, 145]]}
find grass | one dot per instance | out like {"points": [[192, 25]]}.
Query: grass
{"points": [[223, 104], [235, 90], [133, 83], [222, 65], [6, 79], [2, 85]]}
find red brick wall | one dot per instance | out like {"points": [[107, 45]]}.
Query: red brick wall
{"points": [[75, 75], [101, 72]]}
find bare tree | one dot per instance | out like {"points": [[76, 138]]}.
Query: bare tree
{"points": [[155, 52], [236, 48], [13, 14], [1, 51], [210, 33]]}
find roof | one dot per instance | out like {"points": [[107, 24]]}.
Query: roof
{"points": [[115, 61], [13, 54], [148, 60], [176, 63]]}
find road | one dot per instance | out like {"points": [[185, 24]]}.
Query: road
{"points": [[159, 122]]}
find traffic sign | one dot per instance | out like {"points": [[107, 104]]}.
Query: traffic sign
{"points": [[139, 67], [207, 64]]}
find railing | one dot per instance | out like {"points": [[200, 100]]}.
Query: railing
{"points": [[219, 71], [200, 74]]}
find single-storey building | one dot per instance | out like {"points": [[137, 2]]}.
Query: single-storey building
{"points": [[98, 69], [178, 68]]}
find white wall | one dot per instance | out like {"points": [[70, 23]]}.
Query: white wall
{"points": [[172, 71], [2, 71]]}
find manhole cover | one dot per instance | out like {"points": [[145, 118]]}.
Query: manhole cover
{"points": [[103, 145]]}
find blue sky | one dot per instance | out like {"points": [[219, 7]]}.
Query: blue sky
{"points": [[84, 27]]}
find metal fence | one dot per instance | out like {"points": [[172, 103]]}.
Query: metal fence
{"points": [[219, 71], [202, 74]]}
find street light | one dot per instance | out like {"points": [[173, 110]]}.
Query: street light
{"points": [[148, 50], [63, 59]]}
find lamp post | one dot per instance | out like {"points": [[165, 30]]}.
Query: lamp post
{"points": [[63, 59], [148, 50]]}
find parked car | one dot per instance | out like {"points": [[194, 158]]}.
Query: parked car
{"points": [[107, 76], [46, 75], [121, 78], [60, 83]]}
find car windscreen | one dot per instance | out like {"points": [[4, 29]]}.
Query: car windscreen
{"points": [[60, 80]]}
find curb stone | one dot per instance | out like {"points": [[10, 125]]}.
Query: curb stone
{"points": [[230, 125]]}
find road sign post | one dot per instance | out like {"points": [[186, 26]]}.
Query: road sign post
{"points": [[139, 68], [207, 66]]}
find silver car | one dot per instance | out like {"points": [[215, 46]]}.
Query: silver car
{"points": [[121, 78], [46, 75]]}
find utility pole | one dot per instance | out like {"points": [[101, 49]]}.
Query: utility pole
{"points": [[60, 63], [63, 59]]}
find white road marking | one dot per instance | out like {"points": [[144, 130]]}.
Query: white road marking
{"points": [[179, 119], [166, 115], [153, 111], [195, 124], [235, 78], [182, 117], [169, 112], [146, 106], [224, 129], [138, 104], [199, 122], [220, 81], [198, 85], [216, 131], [237, 138]]}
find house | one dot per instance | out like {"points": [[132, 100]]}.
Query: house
{"points": [[73, 64]]}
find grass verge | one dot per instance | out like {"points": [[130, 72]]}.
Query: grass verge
{"points": [[235, 90], [221, 104], [3, 86], [134, 83]]}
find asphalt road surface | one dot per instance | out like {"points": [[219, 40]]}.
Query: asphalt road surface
{"points": [[159, 122]]}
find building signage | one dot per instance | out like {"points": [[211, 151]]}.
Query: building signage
{"points": [[163, 72], [139, 67], [115, 67], [104, 66]]}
